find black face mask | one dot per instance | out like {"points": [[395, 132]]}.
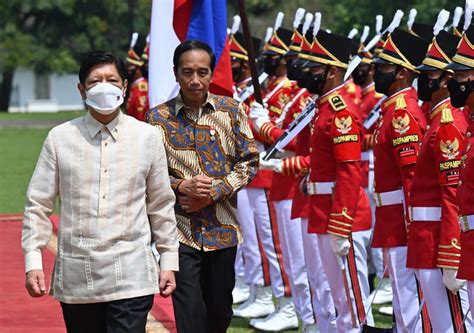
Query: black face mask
{"points": [[359, 76], [131, 74], [383, 81], [236, 72], [270, 65], [145, 71], [314, 83], [459, 92], [293, 71], [427, 86]]}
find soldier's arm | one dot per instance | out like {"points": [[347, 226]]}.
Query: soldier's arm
{"points": [[448, 146], [346, 136]]}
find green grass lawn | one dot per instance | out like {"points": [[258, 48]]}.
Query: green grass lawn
{"points": [[65, 115], [19, 150]]}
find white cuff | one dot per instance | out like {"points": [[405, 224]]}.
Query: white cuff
{"points": [[33, 260], [169, 261]]}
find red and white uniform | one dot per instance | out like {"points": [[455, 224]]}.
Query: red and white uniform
{"points": [[465, 200], [434, 233], [252, 263], [137, 104], [369, 98], [283, 190], [261, 248], [298, 165], [338, 204], [397, 143]]}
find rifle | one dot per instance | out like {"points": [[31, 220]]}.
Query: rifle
{"points": [[295, 127], [374, 114]]}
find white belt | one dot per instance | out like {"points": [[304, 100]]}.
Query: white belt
{"points": [[426, 214], [365, 156], [315, 188], [389, 198], [466, 222]]}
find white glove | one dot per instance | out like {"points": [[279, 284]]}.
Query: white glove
{"points": [[450, 281], [273, 164], [340, 245], [259, 115]]}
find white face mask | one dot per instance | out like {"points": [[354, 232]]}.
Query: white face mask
{"points": [[104, 98]]}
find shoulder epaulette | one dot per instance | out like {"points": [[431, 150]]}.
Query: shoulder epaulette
{"points": [[351, 88], [337, 102], [446, 116], [142, 86], [400, 102]]}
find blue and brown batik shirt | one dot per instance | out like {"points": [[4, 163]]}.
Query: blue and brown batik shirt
{"points": [[215, 141]]}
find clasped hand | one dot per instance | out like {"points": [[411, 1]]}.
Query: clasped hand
{"points": [[195, 193]]}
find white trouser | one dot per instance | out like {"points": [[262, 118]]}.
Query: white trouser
{"points": [[267, 231], [406, 299], [445, 309], [375, 255], [356, 272], [239, 263], [252, 257], [323, 304], [293, 256], [470, 292]]}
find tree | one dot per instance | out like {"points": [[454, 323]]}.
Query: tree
{"points": [[339, 16], [53, 35]]}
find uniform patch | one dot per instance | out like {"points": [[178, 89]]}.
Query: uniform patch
{"points": [[450, 149], [343, 124], [405, 139], [337, 103], [449, 165], [452, 177], [345, 138], [401, 124], [142, 86], [283, 99], [407, 152]]}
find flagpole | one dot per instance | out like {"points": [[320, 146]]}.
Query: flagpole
{"points": [[250, 52]]}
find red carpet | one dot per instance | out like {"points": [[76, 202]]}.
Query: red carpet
{"points": [[162, 307], [19, 312]]}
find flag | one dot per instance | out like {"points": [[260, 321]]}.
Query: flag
{"points": [[173, 22]]}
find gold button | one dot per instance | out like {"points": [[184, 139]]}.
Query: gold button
{"points": [[468, 134], [427, 127], [310, 149], [460, 183]]}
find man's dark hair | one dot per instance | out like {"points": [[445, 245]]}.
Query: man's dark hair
{"points": [[95, 58], [193, 45]]}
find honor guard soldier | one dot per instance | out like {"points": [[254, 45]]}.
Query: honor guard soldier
{"points": [[263, 263], [433, 242], [363, 76], [397, 142], [298, 166], [461, 90], [137, 104], [339, 211], [281, 92]]}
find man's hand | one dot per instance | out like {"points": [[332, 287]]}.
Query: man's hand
{"points": [[273, 164], [259, 115], [340, 245], [198, 187], [167, 283], [191, 204], [35, 283], [450, 280]]}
